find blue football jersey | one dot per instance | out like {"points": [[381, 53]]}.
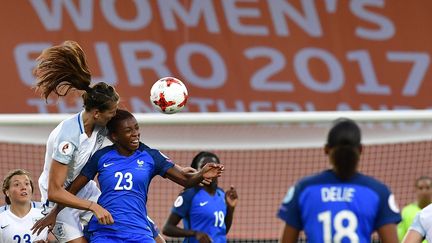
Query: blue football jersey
{"points": [[124, 183], [331, 210], [203, 212]]}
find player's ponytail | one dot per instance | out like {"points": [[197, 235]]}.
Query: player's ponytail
{"points": [[64, 67], [344, 147]]}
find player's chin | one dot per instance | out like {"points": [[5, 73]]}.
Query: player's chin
{"points": [[133, 146]]}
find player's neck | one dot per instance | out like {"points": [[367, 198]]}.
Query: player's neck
{"points": [[88, 123], [210, 190], [20, 209], [423, 203]]}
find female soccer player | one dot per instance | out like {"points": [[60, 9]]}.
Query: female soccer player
{"points": [[125, 170], [70, 145], [421, 227], [18, 218], [340, 204], [207, 211]]}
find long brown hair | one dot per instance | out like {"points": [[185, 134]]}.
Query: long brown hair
{"points": [[64, 67]]}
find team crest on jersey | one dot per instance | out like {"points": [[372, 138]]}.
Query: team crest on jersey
{"points": [[100, 138], [59, 230], [178, 202], [65, 148]]}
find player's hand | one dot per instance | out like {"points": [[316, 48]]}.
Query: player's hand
{"points": [[203, 237], [231, 197], [102, 215], [48, 221], [212, 170]]}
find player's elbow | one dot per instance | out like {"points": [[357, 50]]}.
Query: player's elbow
{"points": [[166, 231], [53, 193]]}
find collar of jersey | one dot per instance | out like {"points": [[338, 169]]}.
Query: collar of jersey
{"points": [[80, 122]]}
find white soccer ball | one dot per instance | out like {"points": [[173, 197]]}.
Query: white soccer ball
{"points": [[168, 95]]}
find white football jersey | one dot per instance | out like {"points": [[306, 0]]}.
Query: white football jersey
{"points": [[422, 223], [69, 144], [15, 229]]}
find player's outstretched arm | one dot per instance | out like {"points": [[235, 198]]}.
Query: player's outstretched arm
{"points": [[388, 233], [208, 172], [289, 234], [171, 229]]}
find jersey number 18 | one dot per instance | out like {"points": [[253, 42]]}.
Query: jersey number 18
{"points": [[342, 230]]}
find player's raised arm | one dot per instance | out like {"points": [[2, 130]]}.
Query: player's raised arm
{"points": [[208, 172]]}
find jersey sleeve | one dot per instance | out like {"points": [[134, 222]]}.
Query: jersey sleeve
{"points": [[153, 227], [289, 211], [183, 202], [388, 212], [162, 162], [417, 226], [64, 147], [90, 169]]}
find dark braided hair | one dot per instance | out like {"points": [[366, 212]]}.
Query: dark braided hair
{"points": [[344, 140], [120, 116], [64, 67]]}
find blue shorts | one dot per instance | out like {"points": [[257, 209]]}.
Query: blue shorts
{"points": [[109, 237]]}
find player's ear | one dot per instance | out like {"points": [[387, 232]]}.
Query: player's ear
{"points": [[326, 149], [96, 114], [360, 149], [113, 137]]}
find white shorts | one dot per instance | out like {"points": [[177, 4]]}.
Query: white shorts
{"points": [[70, 221]]}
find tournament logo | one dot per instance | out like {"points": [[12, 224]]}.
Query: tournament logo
{"points": [[289, 196], [65, 148], [178, 202], [392, 204]]}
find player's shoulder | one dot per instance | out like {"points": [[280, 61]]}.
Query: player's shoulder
{"points": [[220, 191], [156, 154], [191, 191], [69, 129], [317, 178], [104, 151], [425, 216], [34, 204], [370, 182], [426, 212]]}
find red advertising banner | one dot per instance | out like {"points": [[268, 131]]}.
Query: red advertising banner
{"points": [[233, 55]]}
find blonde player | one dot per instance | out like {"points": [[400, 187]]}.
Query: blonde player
{"points": [[19, 216], [70, 145]]}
